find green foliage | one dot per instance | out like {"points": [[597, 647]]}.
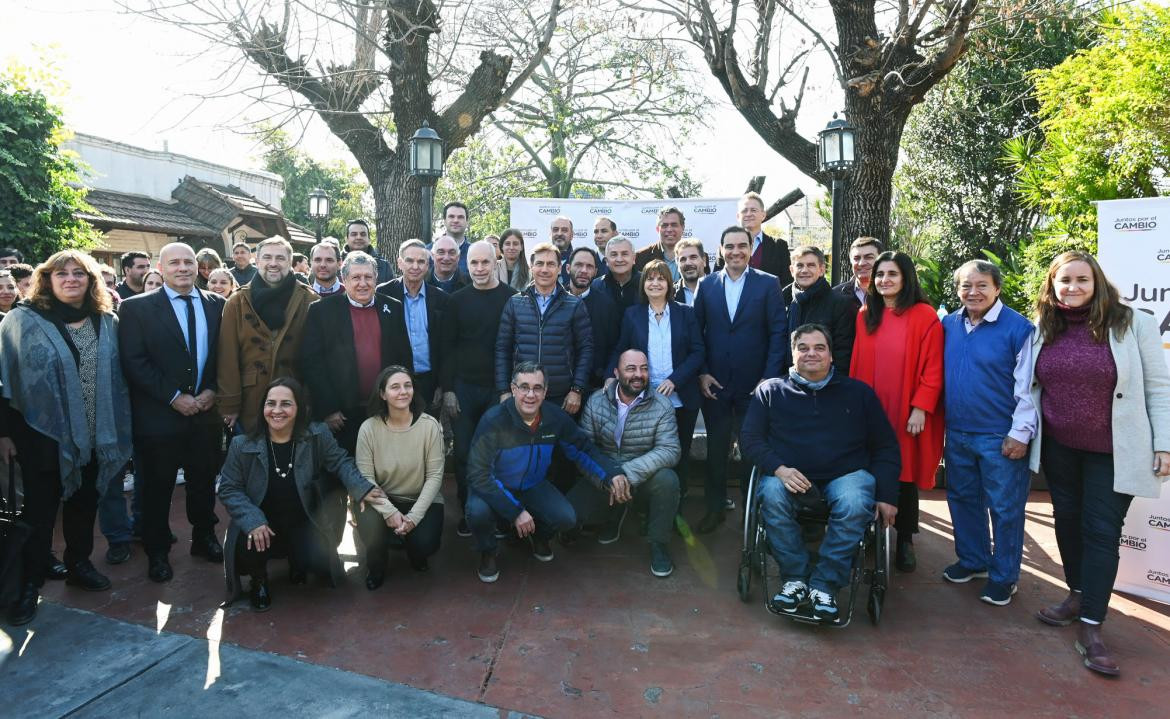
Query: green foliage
{"points": [[485, 176], [346, 187], [1105, 117], [936, 283], [39, 183], [955, 199]]}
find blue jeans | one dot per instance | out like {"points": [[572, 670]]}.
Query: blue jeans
{"points": [[660, 492], [548, 507], [116, 525], [982, 482], [851, 509]]}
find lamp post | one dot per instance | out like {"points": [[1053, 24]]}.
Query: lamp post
{"points": [[426, 164], [318, 208], [835, 154]]}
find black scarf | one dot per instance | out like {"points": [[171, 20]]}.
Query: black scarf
{"points": [[270, 301], [67, 314]]}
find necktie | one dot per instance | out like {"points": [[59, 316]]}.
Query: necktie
{"points": [[192, 340]]}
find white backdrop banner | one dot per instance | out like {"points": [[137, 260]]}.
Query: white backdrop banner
{"points": [[1134, 250], [706, 218]]}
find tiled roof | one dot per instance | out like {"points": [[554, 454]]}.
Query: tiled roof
{"points": [[117, 210]]}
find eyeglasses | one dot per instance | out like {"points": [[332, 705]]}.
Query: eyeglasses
{"points": [[523, 389]]}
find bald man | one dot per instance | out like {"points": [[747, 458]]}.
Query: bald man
{"points": [[168, 345], [445, 255]]}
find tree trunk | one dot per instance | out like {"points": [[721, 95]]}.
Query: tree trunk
{"points": [[396, 206]]}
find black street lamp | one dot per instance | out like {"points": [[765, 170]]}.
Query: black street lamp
{"points": [[318, 208], [426, 163], [835, 154]]}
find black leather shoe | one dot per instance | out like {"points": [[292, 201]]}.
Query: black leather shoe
{"points": [[87, 577], [374, 579], [160, 569], [24, 609], [904, 558], [118, 553], [710, 522], [208, 547], [56, 568], [298, 576], [259, 595]]}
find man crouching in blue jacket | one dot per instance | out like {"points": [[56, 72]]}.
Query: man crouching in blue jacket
{"points": [[507, 471]]}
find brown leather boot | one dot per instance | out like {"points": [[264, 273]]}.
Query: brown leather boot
{"points": [[1092, 648], [1063, 614]]}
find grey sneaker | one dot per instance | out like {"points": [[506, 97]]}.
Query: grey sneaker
{"points": [[541, 550], [488, 572], [660, 562], [612, 531]]}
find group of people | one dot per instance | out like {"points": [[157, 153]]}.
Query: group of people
{"points": [[572, 379]]}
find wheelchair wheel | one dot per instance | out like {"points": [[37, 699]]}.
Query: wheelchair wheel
{"points": [[743, 582]]}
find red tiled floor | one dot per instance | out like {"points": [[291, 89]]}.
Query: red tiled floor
{"points": [[593, 632]]}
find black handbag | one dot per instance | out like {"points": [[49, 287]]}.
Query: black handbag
{"points": [[14, 532]]}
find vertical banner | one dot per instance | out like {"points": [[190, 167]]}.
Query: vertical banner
{"points": [[706, 218], [1134, 250]]}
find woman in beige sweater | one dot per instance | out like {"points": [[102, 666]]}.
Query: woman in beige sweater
{"points": [[400, 449]]}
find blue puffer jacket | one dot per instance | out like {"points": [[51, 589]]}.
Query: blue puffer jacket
{"points": [[561, 340], [508, 456]]}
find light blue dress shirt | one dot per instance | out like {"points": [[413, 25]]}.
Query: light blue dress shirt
{"points": [[543, 301], [416, 327], [180, 308], [659, 352], [732, 291]]}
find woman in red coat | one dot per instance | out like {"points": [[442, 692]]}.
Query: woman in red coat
{"points": [[899, 352]]}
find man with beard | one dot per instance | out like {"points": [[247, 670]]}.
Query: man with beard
{"points": [[810, 300], [603, 313], [670, 226], [692, 266], [326, 260], [862, 254], [425, 306], [261, 332], [635, 431], [446, 275], [560, 234], [622, 281], [135, 265], [469, 329]]}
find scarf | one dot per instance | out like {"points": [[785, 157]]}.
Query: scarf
{"points": [[67, 314], [799, 297], [270, 301], [809, 384], [41, 381]]}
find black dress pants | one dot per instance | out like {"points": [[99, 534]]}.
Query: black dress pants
{"points": [[197, 452], [42, 497], [420, 543], [298, 541]]}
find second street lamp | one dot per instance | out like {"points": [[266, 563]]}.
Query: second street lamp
{"points": [[318, 208], [426, 164], [836, 156]]}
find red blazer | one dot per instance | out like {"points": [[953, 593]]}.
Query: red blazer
{"points": [[922, 382]]}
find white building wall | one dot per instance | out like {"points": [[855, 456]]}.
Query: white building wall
{"points": [[134, 170]]}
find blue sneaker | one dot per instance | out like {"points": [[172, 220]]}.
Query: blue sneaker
{"points": [[824, 606], [958, 574], [998, 594], [791, 596]]}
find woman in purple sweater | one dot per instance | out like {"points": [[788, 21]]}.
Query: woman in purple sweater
{"points": [[1103, 396]]}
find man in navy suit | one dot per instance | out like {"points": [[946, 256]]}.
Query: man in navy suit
{"points": [[168, 344], [741, 313]]}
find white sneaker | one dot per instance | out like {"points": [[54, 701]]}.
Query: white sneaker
{"points": [[128, 482], [179, 479]]}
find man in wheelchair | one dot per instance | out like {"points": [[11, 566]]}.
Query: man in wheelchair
{"points": [[818, 434]]}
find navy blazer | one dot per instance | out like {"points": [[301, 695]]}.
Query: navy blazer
{"points": [[686, 347], [753, 345], [156, 363]]}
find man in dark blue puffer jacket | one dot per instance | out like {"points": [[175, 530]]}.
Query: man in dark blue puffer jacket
{"points": [[509, 464], [549, 326]]}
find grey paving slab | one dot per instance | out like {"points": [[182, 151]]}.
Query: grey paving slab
{"points": [[78, 664], [66, 657]]}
